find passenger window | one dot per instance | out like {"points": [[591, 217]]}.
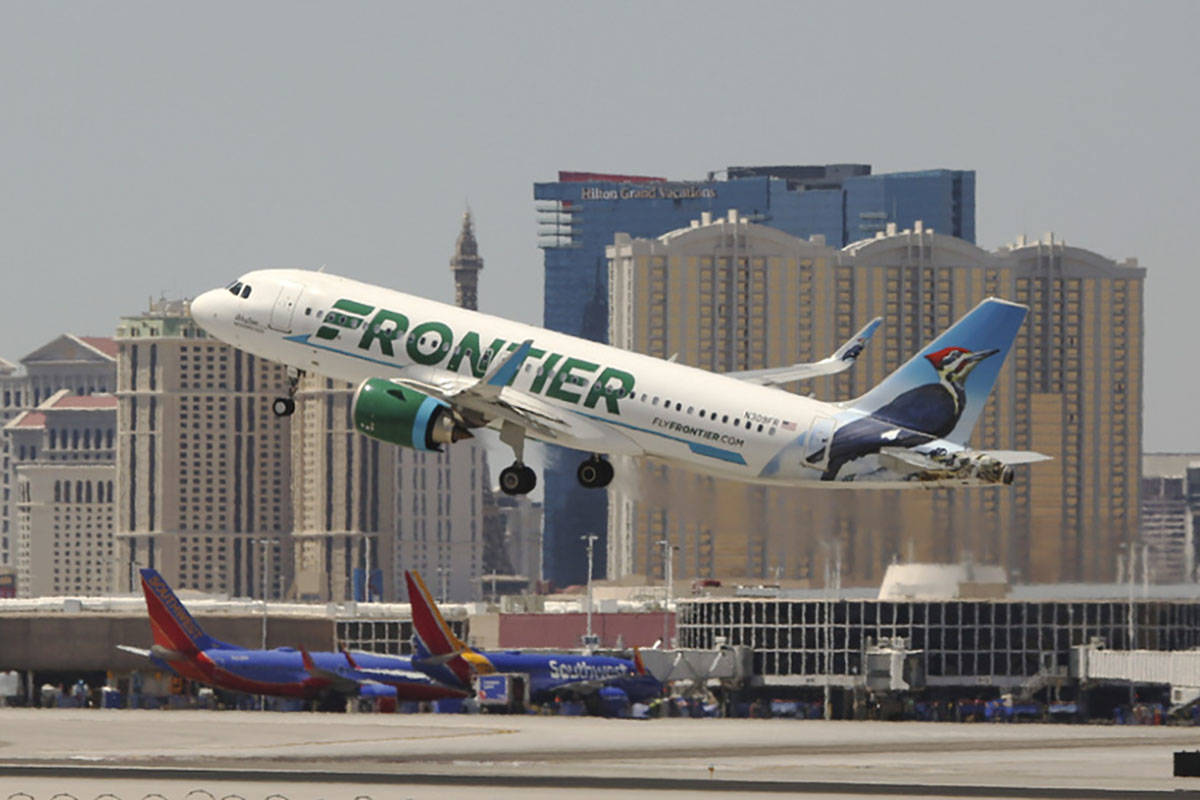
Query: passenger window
{"points": [[245, 291], [308, 311], [655, 401], [760, 427], [679, 406], [691, 409], [725, 418]]}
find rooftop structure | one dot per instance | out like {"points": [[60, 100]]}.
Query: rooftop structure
{"points": [[466, 264]]}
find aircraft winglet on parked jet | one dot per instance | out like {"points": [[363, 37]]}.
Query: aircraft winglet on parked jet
{"points": [[428, 374], [181, 645], [444, 657]]}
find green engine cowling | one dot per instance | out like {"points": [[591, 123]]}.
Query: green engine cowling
{"points": [[391, 413]]}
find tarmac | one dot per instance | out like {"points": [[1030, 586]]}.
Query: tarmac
{"points": [[192, 755]]}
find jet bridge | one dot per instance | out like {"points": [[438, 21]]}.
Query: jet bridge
{"points": [[1179, 669], [729, 666]]}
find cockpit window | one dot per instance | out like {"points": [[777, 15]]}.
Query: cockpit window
{"points": [[245, 291], [236, 288]]}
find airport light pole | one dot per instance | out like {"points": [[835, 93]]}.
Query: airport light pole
{"points": [[591, 543], [1131, 551], [668, 574], [264, 554], [367, 572]]}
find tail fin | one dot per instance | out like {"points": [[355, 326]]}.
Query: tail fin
{"points": [[979, 343], [440, 644], [638, 664], [173, 627]]}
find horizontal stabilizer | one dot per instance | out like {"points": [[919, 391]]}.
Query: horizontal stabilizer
{"points": [[137, 651], [966, 466], [1017, 456]]}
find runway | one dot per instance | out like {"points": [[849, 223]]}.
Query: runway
{"points": [[131, 754]]}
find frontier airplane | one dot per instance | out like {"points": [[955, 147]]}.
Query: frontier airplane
{"points": [[428, 374]]}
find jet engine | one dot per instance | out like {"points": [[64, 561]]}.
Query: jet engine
{"points": [[397, 414]]}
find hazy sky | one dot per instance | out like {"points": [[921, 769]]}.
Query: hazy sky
{"points": [[151, 148]]}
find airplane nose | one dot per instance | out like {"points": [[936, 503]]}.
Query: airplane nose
{"points": [[206, 309]]}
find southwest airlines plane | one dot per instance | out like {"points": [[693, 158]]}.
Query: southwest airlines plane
{"points": [[181, 645], [428, 374]]}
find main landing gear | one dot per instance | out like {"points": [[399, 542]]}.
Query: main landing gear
{"points": [[517, 478], [595, 473], [286, 406]]}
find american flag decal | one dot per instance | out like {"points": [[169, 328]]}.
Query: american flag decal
{"points": [[788, 426]]}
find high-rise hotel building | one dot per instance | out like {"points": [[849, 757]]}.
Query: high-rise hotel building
{"points": [[203, 465], [727, 294], [65, 474], [82, 364], [581, 212]]}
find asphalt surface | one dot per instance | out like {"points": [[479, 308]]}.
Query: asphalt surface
{"points": [[134, 754]]}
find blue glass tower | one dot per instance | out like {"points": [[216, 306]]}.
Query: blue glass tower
{"points": [[579, 214]]}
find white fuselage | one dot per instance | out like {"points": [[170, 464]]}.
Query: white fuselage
{"points": [[354, 331]]}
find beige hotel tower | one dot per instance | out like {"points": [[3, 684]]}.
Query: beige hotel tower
{"points": [[728, 294], [203, 465]]}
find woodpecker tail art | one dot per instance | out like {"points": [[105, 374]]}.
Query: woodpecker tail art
{"points": [[938, 394]]}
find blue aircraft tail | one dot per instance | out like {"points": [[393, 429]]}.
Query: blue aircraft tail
{"points": [[942, 389]]}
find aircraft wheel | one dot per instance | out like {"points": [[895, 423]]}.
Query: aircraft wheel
{"points": [[595, 473], [517, 479], [283, 406], [529, 480]]}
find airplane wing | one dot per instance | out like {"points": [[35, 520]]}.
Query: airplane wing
{"points": [[842, 359], [490, 399], [345, 684]]}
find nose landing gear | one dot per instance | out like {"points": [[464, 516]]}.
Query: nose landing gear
{"points": [[594, 473], [286, 406]]}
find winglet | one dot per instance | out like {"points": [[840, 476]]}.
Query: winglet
{"points": [[853, 346], [841, 360], [637, 661], [308, 661]]}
